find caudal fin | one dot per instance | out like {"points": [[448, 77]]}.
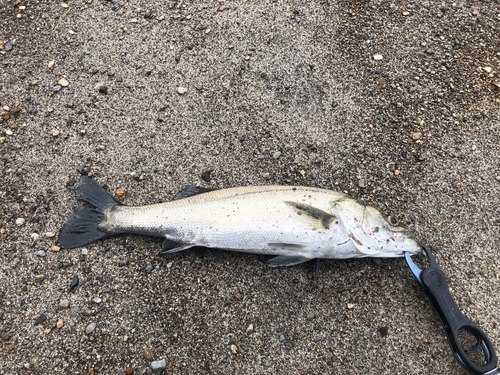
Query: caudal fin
{"points": [[84, 227]]}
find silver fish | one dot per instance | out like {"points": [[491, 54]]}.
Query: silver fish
{"points": [[296, 224]]}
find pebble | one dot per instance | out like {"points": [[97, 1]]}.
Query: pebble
{"points": [[40, 253], [148, 355], [430, 51], [362, 183], [350, 306], [487, 69], [234, 349], [377, 57], [97, 300], [222, 8], [103, 89], [85, 251], [90, 328], [170, 264], [40, 319], [20, 221], [310, 316], [397, 172], [50, 234], [181, 90], [250, 328], [2, 140], [8, 131], [282, 338], [57, 88], [159, 365], [74, 311], [8, 47], [417, 135], [6, 116], [51, 64], [63, 82], [39, 278], [121, 193], [276, 155], [129, 371], [133, 20], [55, 248], [60, 323], [149, 268], [74, 283], [64, 304]]}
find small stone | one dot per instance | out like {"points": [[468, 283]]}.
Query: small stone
{"points": [[148, 355], [85, 251], [181, 90], [97, 300], [250, 328], [222, 8], [8, 47], [129, 371], [234, 349], [406, 13], [50, 234], [63, 82], [377, 57], [54, 132], [133, 20], [121, 193], [90, 328], [57, 88], [422, 157], [159, 365], [350, 306], [430, 51], [64, 5], [15, 110], [397, 172], [281, 338], [74, 311], [381, 81], [362, 183], [55, 248], [60, 323], [74, 283], [310, 316], [51, 64], [103, 89], [170, 264], [149, 268], [40, 253], [64, 304], [39, 278], [8, 132], [40, 319], [2, 140], [417, 135], [5, 115], [277, 154], [20, 221]]}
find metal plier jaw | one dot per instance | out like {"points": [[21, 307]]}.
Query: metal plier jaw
{"points": [[435, 286]]}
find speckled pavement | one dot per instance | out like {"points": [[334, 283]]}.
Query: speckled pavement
{"points": [[394, 103]]}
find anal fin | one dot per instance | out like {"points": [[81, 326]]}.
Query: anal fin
{"points": [[284, 260], [169, 246]]}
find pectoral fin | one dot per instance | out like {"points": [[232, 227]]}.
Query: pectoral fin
{"points": [[283, 261], [314, 217], [169, 246]]}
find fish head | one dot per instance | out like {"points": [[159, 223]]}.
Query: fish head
{"points": [[373, 233]]}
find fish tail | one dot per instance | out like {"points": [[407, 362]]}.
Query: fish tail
{"points": [[85, 226]]}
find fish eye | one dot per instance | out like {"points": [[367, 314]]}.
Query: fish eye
{"points": [[392, 220]]}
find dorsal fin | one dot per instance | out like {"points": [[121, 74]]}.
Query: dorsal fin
{"points": [[312, 214], [189, 191]]}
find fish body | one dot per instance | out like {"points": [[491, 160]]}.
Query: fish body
{"points": [[295, 224]]}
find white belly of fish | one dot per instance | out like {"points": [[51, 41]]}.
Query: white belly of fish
{"points": [[270, 220]]}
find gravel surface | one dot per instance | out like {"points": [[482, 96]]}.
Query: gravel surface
{"points": [[394, 103]]}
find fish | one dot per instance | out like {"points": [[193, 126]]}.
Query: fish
{"points": [[294, 224]]}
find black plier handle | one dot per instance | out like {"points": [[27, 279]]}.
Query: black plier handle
{"points": [[435, 286]]}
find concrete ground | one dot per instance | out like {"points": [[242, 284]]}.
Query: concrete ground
{"points": [[394, 103]]}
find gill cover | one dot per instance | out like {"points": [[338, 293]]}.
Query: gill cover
{"points": [[370, 232]]}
